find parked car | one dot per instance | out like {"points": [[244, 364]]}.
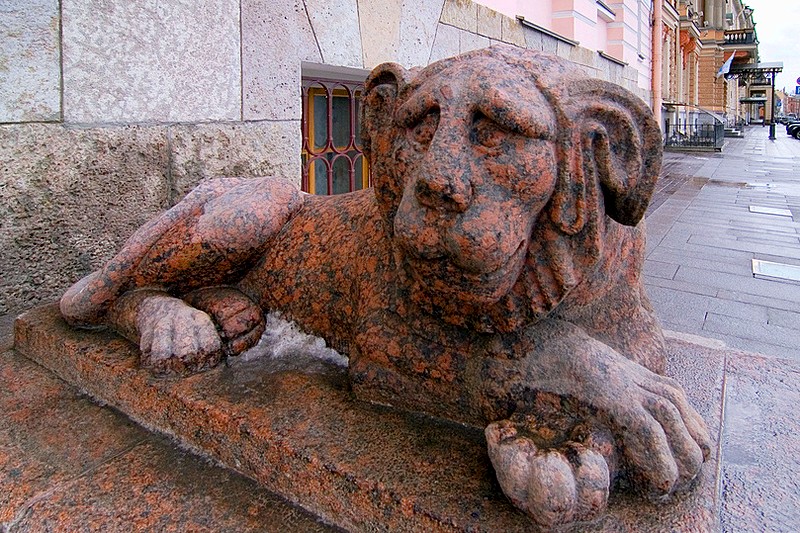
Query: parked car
{"points": [[787, 118], [792, 125]]}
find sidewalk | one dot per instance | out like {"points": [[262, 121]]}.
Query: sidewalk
{"points": [[702, 238], [69, 464]]}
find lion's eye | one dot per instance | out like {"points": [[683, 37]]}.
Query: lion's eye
{"points": [[486, 133], [422, 132]]}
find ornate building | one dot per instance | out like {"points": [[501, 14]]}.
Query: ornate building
{"points": [[618, 30], [730, 43], [679, 65], [703, 44]]}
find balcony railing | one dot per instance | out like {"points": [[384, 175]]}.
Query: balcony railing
{"points": [[740, 37]]}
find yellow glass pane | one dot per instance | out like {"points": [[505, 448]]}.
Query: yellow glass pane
{"points": [[341, 175], [319, 120], [320, 176], [340, 113]]}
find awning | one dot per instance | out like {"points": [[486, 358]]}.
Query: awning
{"points": [[753, 100], [758, 69]]}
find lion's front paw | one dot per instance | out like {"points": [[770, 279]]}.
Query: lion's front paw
{"points": [[664, 440], [175, 338], [240, 322], [554, 486]]}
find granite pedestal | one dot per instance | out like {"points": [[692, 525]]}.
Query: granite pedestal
{"points": [[293, 425]]}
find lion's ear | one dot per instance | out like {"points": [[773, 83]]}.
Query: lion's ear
{"points": [[381, 90], [616, 145], [379, 133]]}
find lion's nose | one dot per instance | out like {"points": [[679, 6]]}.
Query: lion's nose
{"points": [[449, 193]]}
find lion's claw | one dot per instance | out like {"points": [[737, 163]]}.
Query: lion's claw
{"points": [[240, 322], [554, 486], [592, 482], [175, 338], [664, 440]]}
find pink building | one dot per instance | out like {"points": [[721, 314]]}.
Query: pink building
{"points": [[618, 29]]}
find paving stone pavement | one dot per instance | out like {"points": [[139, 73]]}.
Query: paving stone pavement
{"points": [[68, 464], [702, 238]]}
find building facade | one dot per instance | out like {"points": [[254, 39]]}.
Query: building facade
{"points": [[728, 35], [679, 66], [110, 111], [791, 104], [618, 29], [677, 47], [704, 42]]}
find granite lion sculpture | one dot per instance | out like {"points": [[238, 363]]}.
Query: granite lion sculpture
{"points": [[490, 276]]}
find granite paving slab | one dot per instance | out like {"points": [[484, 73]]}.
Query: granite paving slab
{"points": [[761, 474]]}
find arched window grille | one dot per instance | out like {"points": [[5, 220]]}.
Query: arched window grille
{"points": [[333, 162]]}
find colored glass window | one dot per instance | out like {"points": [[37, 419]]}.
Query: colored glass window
{"points": [[333, 162]]}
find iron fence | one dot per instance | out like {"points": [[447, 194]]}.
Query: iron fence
{"points": [[694, 136]]}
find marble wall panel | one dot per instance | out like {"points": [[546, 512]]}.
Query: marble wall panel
{"points": [[202, 151], [471, 41], [276, 37], [418, 31], [581, 55], [489, 22], [380, 30], [512, 32], [446, 43], [151, 61], [69, 198], [335, 25], [564, 49], [30, 61], [461, 14]]}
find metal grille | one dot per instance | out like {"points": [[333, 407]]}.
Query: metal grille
{"points": [[683, 135], [333, 161]]}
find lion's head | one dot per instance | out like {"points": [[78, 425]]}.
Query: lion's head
{"points": [[495, 171]]}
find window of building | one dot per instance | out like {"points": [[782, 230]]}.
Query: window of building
{"points": [[332, 158]]}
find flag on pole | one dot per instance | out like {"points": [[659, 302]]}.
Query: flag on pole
{"points": [[726, 66]]}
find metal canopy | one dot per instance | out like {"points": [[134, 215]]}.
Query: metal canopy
{"points": [[753, 100], [757, 70], [755, 73]]}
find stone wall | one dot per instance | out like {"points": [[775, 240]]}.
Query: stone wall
{"points": [[111, 110]]}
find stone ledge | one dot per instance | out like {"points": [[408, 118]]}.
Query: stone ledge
{"points": [[294, 426]]}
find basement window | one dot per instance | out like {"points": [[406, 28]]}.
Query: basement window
{"points": [[332, 157]]}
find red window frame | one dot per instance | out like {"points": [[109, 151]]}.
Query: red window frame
{"points": [[327, 157]]}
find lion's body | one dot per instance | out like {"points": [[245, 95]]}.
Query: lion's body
{"points": [[334, 270], [491, 276]]}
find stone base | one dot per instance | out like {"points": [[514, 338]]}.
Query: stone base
{"points": [[295, 427]]}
